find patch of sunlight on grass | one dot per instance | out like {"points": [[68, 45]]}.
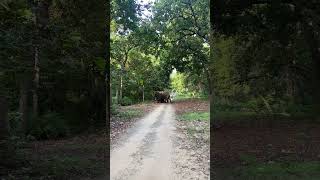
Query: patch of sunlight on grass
{"points": [[194, 116], [129, 114]]}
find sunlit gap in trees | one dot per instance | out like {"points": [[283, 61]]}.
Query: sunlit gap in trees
{"points": [[146, 11]]}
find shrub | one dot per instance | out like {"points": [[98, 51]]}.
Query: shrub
{"points": [[126, 101], [114, 109], [15, 123], [50, 125]]}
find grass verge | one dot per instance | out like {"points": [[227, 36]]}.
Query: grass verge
{"points": [[272, 171], [197, 123], [129, 114], [195, 116]]}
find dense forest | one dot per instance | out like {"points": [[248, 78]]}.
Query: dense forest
{"points": [[265, 56], [52, 66], [52, 79], [146, 50], [264, 103], [250, 59]]}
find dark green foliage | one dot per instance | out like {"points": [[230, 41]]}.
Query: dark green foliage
{"points": [[114, 109], [143, 58], [15, 124], [126, 101], [71, 66], [273, 54], [49, 126]]}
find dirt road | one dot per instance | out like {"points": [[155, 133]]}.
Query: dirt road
{"points": [[147, 151]]}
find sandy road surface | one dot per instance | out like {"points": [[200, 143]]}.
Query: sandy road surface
{"points": [[145, 152], [154, 149]]}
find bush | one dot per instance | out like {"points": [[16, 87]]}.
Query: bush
{"points": [[50, 125], [15, 123], [114, 109], [114, 100], [298, 108], [126, 101]]}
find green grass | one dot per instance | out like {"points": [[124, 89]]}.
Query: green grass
{"points": [[246, 118], [231, 115], [192, 116], [196, 116], [181, 97], [129, 114], [273, 171]]}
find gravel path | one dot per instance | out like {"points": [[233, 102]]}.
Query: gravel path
{"points": [[153, 149]]}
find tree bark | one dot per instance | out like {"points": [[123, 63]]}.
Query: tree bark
{"points": [[5, 151], [23, 104], [121, 86], [35, 82], [214, 17], [110, 96], [142, 93], [117, 95], [315, 53], [107, 83], [210, 86], [41, 12], [4, 131], [312, 38]]}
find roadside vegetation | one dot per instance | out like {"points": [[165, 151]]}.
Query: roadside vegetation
{"points": [[195, 116], [52, 89], [273, 170], [265, 97], [76, 157]]}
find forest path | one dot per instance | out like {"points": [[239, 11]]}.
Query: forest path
{"points": [[146, 151]]}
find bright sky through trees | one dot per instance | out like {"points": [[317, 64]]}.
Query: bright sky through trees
{"points": [[146, 12]]}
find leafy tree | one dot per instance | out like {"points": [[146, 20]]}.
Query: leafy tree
{"points": [[184, 28], [53, 62], [274, 54]]}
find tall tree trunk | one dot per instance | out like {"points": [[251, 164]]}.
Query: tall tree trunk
{"points": [[121, 83], [4, 131], [6, 153], [289, 83], [215, 21], [315, 50], [311, 35], [142, 93], [41, 13], [35, 82], [110, 85], [313, 39], [107, 82], [23, 104], [120, 89], [210, 86], [211, 99], [117, 95]]}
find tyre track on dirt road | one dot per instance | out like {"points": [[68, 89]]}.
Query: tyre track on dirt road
{"points": [[145, 151], [154, 148]]}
